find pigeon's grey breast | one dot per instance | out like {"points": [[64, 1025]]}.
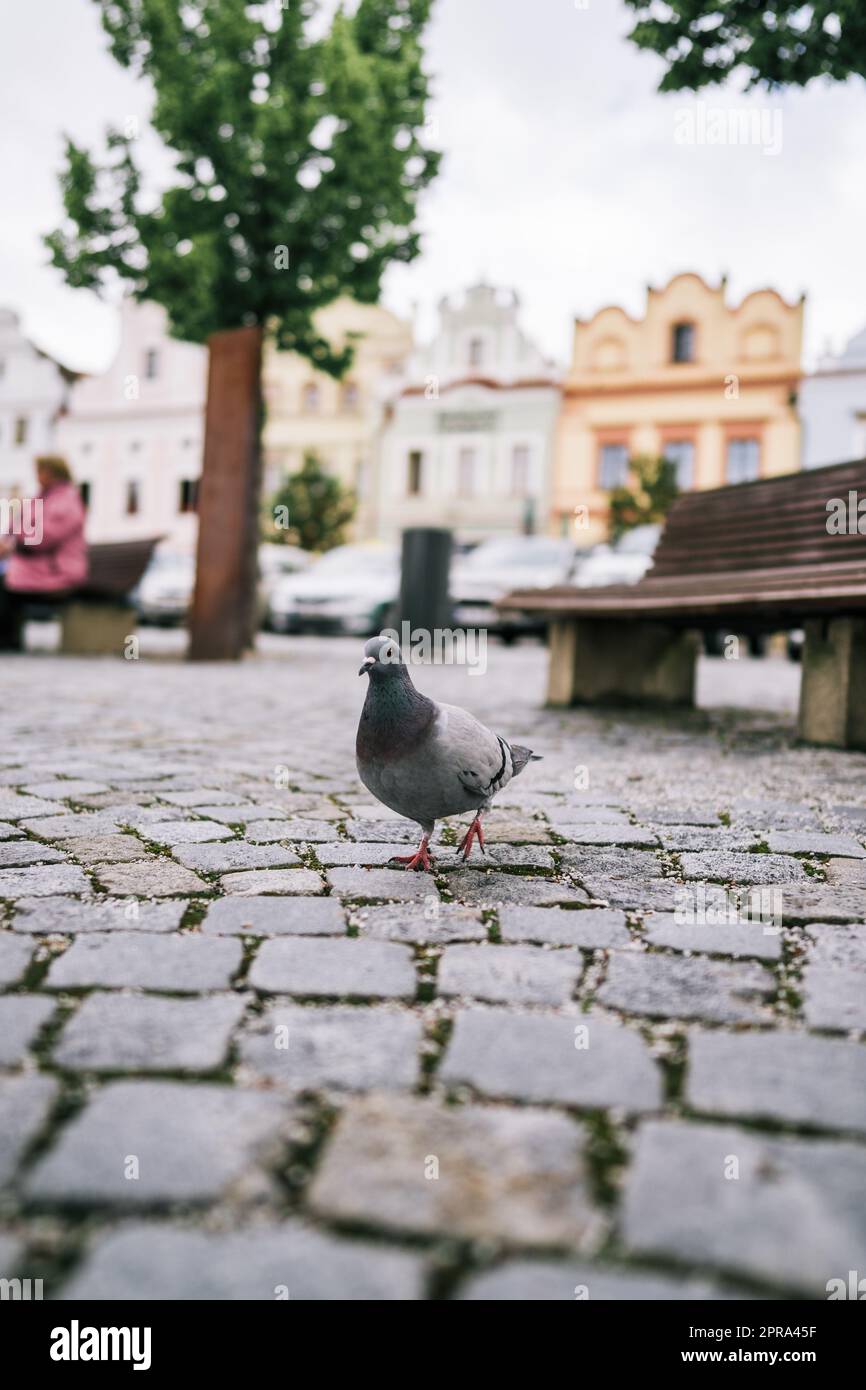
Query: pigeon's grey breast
{"points": [[457, 766]]}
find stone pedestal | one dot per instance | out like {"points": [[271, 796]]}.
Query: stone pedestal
{"points": [[833, 689], [598, 662], [95, 629]]}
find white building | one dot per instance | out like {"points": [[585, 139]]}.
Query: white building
{"points": [[33, 391], [468, 443], [133, 436], [833, 407]]}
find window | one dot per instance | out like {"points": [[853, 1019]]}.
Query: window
{"points": [[349, 397], [151, 364], [743, 461], [681, 453], [466, 473], [133, 499], [84, 492], [187, 495], [413, 482], [476, 352], [20, 435], [613, 466], [683, 342], [520, 470], [310, 398]]}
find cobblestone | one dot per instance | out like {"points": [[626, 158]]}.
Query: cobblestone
{"points": [[509, 974], [343, 1048], [786, 1210], [526, 1052], [276, 916], [50, 915], [163, 962], [21, 1018], [334, 969], [589, 1061], [588, 927], [669, 987], [24, 1105], [145, 1033], [286, 1261], [134, 1141], [779, 1076], [377, 1162]]}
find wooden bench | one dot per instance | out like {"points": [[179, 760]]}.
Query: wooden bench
{"points": [[754, 558], [98, 617]]}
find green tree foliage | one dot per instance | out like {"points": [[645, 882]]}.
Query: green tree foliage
{"points": [[312, 509], [299, 158], [648, 499], [778, 43]]}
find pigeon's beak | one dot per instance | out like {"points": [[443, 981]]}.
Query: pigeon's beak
{"points": [[366, 664]]}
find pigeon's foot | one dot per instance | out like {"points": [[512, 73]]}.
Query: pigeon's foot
{"points": [[419, 860], [474, 832]]}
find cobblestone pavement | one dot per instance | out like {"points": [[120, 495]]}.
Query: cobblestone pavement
{"points": [[242, 1057]]}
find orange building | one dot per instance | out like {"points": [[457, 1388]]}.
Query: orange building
{"points": [[710, 386]]}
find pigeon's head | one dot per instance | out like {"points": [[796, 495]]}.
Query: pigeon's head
{"points": [[382, 657]]}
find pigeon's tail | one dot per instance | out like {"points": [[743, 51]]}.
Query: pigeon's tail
{"points": [[520, 756]]}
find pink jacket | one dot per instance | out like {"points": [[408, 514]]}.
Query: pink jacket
{"points": [[57, 558]]}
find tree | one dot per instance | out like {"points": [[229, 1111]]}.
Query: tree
{"points": [[298, 162], [779, 44], [648, 500], [312, 509]]}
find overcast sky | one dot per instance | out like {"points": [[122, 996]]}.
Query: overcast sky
{"points": [[564, 173]]}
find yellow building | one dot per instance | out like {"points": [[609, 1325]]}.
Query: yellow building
{"points": [[308, 412], [713, 388]]}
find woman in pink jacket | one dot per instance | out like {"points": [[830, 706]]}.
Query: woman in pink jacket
{"points": [[45, 553]]}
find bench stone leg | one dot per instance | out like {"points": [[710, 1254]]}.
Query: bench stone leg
{"points": [[95, 629], [833, 688], [562, 639], [597, 662]]}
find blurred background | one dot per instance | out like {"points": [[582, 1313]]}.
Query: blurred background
{"points": [[617, 293]]}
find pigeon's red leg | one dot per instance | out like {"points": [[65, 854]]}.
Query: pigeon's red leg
{"points": [[472, 833], [419, 860]]}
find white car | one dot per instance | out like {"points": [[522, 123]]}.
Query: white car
{"points": [[623, 562], [351, 589], [164, 593], [165, 590], [496, 567]]}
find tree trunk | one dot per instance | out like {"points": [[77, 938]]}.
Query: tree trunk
{"points": [[223, 619]]}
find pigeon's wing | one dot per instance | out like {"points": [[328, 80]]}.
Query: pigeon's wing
{"points": [[478, 760]]}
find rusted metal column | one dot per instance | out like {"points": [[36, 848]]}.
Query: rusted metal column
{"points": [[222, 622]]}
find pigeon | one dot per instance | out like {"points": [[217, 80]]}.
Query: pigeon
{"points": [[425, 760]]}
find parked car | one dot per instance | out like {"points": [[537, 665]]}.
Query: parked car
{"points": [[275, 562], [624, 561], [351, 589], [164, 594], [494, 568]]}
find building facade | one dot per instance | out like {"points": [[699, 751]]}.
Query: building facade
{"points": [[339, 422], [711, 386], [469, 440], [133, 436], [34, 390], [833, 407]]}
